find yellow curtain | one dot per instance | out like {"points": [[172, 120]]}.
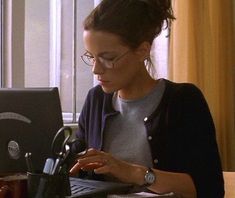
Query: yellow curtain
{"points": [[202, 51]]}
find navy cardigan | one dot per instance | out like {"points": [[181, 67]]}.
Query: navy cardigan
{"points": [[182, 130]]}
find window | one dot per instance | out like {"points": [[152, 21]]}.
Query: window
{"points": [[42, 44], [1, 36]]}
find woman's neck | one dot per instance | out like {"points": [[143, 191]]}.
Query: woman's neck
{"points": [[139, 87]]}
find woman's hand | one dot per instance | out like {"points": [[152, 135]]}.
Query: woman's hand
{"points": [[105, 163]]}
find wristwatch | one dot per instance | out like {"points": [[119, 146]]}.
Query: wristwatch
{"points": [[149, 177]]}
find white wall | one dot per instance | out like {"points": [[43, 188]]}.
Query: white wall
{"points": [[13, 43], [37, 34]]}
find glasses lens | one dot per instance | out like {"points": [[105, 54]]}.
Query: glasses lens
{"points": [[88, 60]]}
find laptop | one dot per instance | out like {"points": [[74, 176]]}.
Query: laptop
{"points": [[93, 188], [29, 119]]}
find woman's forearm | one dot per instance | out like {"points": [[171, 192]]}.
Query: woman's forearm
{"points": [[178, 183]]}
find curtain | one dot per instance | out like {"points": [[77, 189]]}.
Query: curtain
{"points": [[202, 51]]}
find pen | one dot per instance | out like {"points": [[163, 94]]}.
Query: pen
{"points": [[28, 158], [57, 166], [48, 167]]}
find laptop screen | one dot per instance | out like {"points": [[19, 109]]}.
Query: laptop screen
{"points": [[29, 119]]}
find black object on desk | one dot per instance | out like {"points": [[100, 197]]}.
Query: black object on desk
{"points": [[47, 186], [55, 181], [29, 119]]}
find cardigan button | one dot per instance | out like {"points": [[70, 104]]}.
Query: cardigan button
{"points": [[155, 161], [150, 137], [145, 119]]}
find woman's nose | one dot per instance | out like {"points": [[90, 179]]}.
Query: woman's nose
{"points": [[98, 68]]}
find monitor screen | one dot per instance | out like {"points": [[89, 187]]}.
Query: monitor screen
{"points": [[29, 119]]}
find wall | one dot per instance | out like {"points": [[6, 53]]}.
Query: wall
{"points": [[36, 42], [13, 43]]}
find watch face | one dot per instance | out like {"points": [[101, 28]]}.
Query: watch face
{"points": [[150, 177]]}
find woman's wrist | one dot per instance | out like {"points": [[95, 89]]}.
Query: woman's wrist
{"points": [[139, 174]]}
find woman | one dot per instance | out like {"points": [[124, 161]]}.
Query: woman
{"points": [[152, 133]]}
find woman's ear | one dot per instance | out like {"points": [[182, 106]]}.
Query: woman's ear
{"points": [[143, 51]]}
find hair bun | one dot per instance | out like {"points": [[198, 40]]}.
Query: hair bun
{"points": [[159, 7]]}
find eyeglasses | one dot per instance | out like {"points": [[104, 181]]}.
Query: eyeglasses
{"points": [[109, 64]]}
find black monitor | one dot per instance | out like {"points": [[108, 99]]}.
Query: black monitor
{"points": [[29, 119]]}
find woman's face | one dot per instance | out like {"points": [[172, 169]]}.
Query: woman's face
{"points": [[117, 67]]}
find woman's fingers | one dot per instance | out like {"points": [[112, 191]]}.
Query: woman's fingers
{"points": [[93, 159], [101, 159], [75, 169], [92, 166], [104, 163], [87, 167]]}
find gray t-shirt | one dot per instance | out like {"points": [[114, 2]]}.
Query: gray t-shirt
{"points": [[125, 135]]}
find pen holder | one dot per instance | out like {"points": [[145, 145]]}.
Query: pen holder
{"points": [[41, 185]]}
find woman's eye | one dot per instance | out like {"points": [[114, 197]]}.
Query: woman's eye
{"points": [[108, 58], [90, 57]]}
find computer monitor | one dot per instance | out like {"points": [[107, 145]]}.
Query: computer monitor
{"points": [[29, 119]]}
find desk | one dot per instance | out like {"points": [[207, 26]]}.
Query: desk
{"points": [[14, 186], [229, 184], [17, 188]]}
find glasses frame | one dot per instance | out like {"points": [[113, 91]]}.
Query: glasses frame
{"points": [[105, 63]]}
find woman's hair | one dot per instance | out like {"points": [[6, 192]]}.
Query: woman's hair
{"points": [[134, 21]]}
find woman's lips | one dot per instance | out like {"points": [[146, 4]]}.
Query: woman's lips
{"points": [[103, 82]]}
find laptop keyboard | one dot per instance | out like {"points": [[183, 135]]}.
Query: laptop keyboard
{"points": [[78, 189], [86, 188], [90, 188]]}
